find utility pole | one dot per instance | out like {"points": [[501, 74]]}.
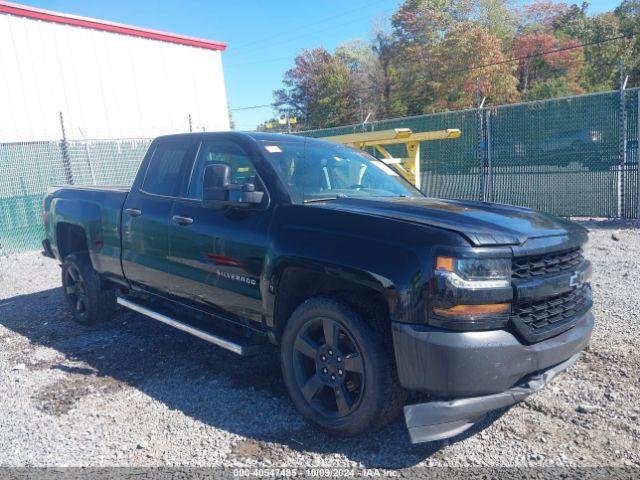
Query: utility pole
{"points": [[361, 113]]}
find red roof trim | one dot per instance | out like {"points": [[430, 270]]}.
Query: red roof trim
{"points": [[48, 16]]}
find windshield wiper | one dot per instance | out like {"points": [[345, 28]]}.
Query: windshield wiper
{"points": [[323, 199]]}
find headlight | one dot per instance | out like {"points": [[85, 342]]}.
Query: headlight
{"points": [[475, 272], [471, 293]]}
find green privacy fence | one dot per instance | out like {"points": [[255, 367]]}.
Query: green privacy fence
{"points": [[29, 168], [563, 156]]}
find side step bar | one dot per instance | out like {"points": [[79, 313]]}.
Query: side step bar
{"points": [[196, 332]]}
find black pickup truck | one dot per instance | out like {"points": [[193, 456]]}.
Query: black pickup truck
{"points": [[369, 288]]}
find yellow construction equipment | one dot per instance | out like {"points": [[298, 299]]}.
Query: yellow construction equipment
{"points": [[410, 165]]}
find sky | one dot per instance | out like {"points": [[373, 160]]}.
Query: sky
{"points": [[263, 37]]}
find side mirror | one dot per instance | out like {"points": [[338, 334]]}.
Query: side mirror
{"points": [[215, 184], [216, 189], [249, 196]]}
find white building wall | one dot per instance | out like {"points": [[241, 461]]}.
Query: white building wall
{"points": [[107, 85]]}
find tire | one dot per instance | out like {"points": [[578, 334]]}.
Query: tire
{"points": [[368, 394], [91, 302]]}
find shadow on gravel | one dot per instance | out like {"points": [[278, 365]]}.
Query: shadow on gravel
{"points": [[242, 395]]}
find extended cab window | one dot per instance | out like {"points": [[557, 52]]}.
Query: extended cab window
{"points": [[166, 168], [222, 151]]}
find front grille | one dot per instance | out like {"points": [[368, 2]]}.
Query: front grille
{"points": [[544, 318], [538, 265]]}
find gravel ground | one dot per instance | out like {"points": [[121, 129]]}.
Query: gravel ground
{"points": [[138, 393]]}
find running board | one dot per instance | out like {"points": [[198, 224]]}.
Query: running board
{"points": [[196, 332]]}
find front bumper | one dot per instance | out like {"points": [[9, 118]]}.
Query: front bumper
{"points": [[486, 369], [443, 419]]}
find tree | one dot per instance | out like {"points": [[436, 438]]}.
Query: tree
{"points": [[464, 52], [498, 18], [361, 60], [437, 51], [318, 90], [628, 13], [541, 16], [438, 57], [419, 27], [424, 21], [385, 76], [566, 60], [601, 59]]}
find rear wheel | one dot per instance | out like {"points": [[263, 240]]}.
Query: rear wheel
{"points": [[337, 370], [89, 300]]}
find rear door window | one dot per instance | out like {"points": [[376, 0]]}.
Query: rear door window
{"points": [[166, 170]]}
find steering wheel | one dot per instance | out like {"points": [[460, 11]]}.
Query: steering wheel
{"points": [[356, 186]]}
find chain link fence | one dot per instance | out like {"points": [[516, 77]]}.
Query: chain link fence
{"points": [[29, 168], [562, 156]]}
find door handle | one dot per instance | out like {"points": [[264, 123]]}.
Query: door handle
{"points": [[180, 220], [133, 212]]}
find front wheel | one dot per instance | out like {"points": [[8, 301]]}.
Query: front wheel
{"points": [[88, 299], [337, 370]]}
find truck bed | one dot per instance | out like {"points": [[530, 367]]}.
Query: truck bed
{"points": [[98, 211]]}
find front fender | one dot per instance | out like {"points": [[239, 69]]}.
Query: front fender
{"points": [[370, 280], [398, 270]]}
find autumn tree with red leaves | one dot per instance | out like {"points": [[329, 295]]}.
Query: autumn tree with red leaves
{"points": [[437, 52], [535, 71]]}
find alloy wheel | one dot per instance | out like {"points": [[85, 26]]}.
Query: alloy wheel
{"points": [[76, 290], [329, 367]]}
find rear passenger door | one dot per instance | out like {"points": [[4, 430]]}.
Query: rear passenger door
{"points": [[146, 213]]}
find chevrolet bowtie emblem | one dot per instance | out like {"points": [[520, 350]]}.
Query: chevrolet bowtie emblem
{"points": [[574, 280]]}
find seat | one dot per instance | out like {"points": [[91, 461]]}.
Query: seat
{"points": [[308, 177]]}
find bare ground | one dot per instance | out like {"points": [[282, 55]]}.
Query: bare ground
{"points": [[137, 393]]}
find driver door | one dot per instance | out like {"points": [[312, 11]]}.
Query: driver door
{"points": [[217, 254]]}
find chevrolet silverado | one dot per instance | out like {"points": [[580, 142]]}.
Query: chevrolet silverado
{"points": [[368, 288]]}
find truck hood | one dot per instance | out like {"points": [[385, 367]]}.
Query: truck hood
{"points": [[483, 224]]}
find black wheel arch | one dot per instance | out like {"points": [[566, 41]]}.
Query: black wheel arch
{"points": [[70, 238], [294, 282]]}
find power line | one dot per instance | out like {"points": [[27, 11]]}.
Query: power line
{"points": [[562, 49], [306, 34], [251, 107], [288, 57], [301, 27], [510, 60], [526, 57]]}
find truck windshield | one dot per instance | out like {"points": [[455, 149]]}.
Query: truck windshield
{"points": [[317, 171]]}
